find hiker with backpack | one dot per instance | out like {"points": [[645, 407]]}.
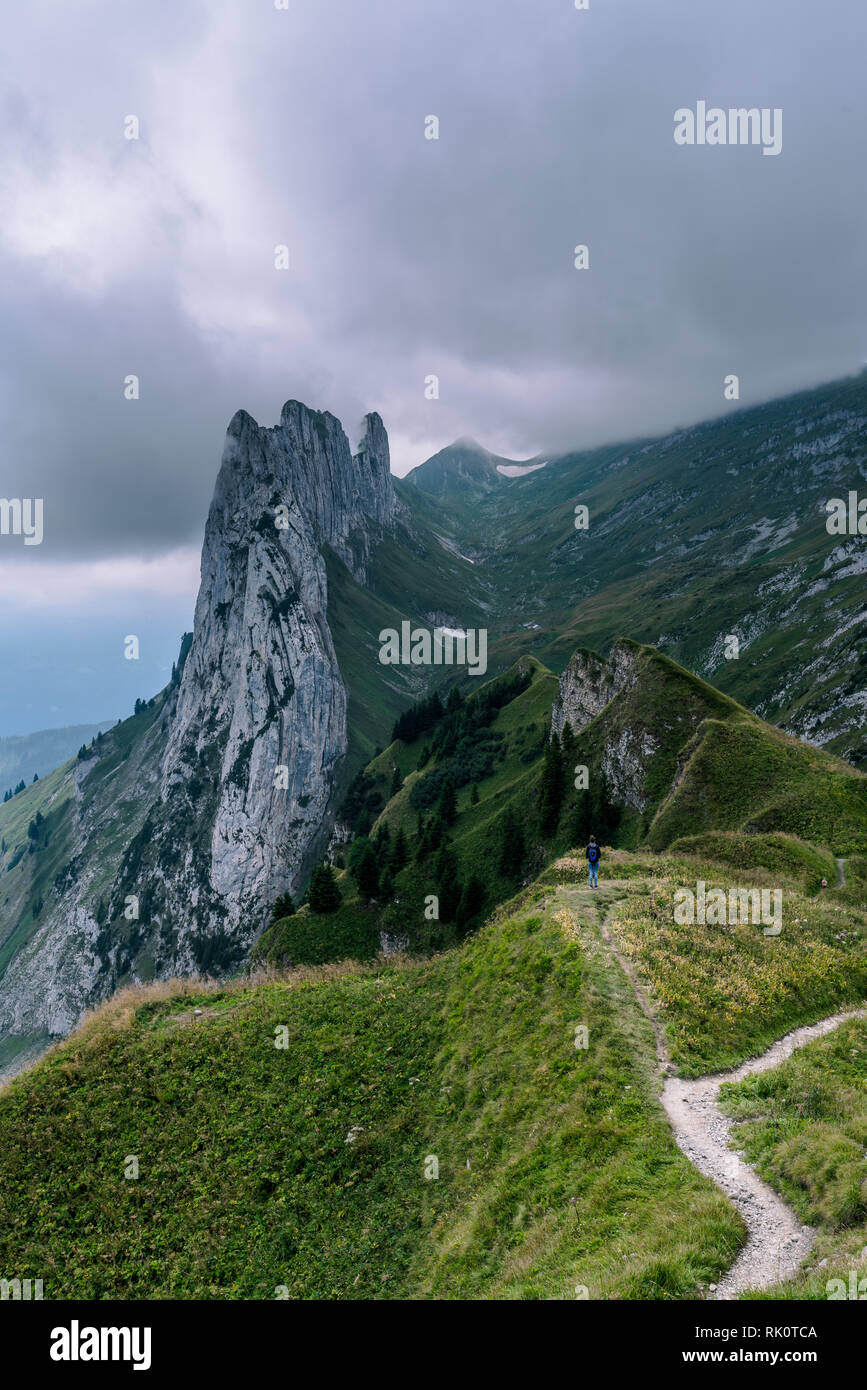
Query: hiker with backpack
{"points": [[593, 862]]}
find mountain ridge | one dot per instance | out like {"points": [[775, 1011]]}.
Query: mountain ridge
{"points": [[714, 532]]}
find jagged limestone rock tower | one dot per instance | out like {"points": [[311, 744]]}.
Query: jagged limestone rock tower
{"points": [[260, 723], [179, 832]]}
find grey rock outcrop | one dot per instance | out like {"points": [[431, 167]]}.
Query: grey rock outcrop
{"points": [[587, 687], [260, 725], [589, 683], [179, 832]]}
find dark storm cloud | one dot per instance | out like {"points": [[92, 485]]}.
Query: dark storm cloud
{"points": [[408, 257]]}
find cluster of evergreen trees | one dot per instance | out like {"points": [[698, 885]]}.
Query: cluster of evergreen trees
{"points": [[418, 719], [562, 812], [374, 864], [588, 811], [460, 899], [84, 750], [324, 895], [465, 746], [178, 666], [37, 832], [362, 803], [481, 708], [7, 796]]}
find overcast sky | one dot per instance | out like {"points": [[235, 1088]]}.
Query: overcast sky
{"points": [[408, 257]]}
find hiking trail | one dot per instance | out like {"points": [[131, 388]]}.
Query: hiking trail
{"points": [[777, 1241]]}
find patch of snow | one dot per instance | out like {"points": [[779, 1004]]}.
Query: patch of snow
{"points": [[517, 470]]}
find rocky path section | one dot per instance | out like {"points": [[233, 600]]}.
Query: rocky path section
{"points": [[777, 1242]]}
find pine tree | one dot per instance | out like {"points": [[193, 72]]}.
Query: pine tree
{"points": [[367, 874], [569, 749], [448, 803], [435, 833], [471, 903], [396, 781], [36, 775], [447, 882], [399, 852], [606, 814], [283, 907], [580, 825], [421, 844], [551, 788], [474, 795], [510, 859], [324, 894]]}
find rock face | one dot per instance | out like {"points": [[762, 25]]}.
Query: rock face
{"points": [[260, 723], [588, 685], [179, 843]]}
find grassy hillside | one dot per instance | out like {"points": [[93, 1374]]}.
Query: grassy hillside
{"points": [[442, 1126], [742, 773], [303, 1168], [707, 763], [725, 992], [711, 776]]}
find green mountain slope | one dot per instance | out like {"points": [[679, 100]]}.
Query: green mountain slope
{"points": [[714, 532], [690, 759], [670, 761], [73, 827], [22, 755]]}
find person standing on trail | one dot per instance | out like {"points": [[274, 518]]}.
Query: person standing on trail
{"points": [[593, 862]]}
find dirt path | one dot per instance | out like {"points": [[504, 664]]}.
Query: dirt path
{"points": [[841, 873], [777, 1242]]}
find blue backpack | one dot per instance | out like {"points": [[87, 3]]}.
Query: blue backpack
{"points": [[592, 853]]}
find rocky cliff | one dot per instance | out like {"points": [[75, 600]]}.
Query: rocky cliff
{"points": [[589, 683], [637, 712], [171, 840]]}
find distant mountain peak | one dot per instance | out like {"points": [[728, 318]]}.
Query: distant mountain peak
{"points": [[466, 469]]}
